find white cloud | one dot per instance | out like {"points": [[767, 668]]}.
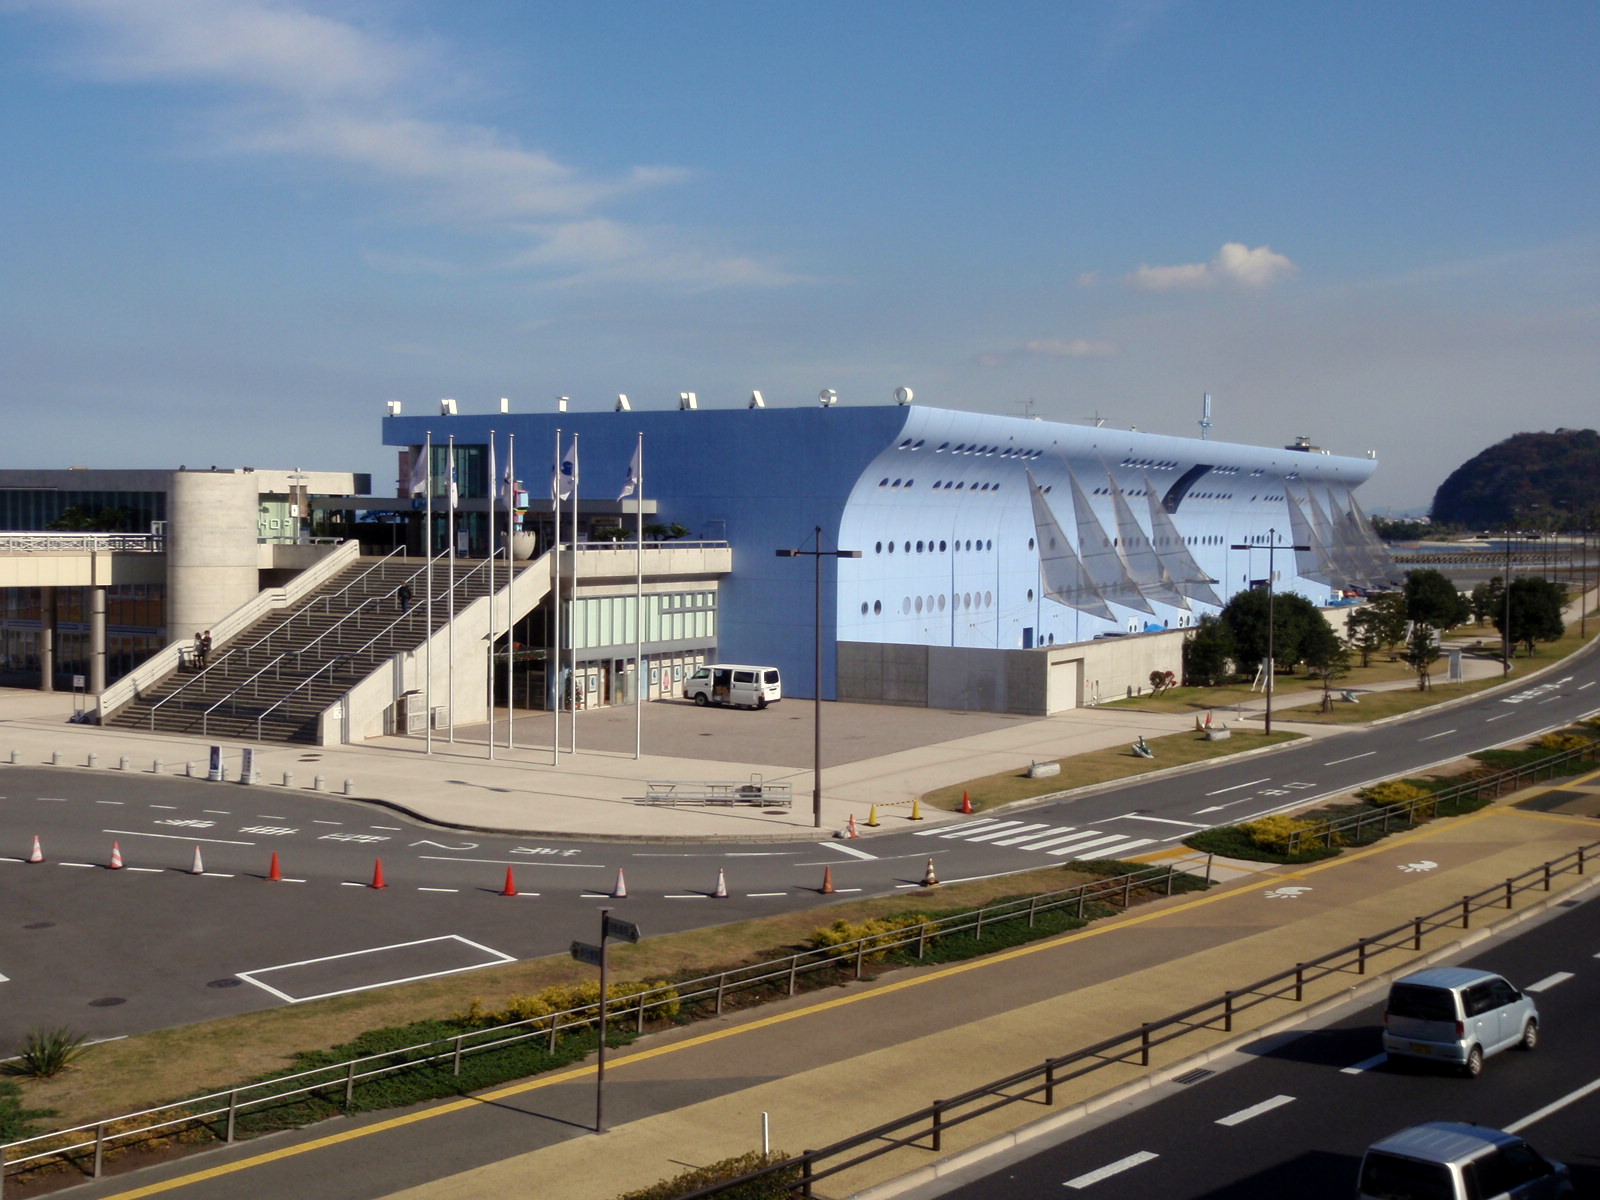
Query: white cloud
{"points": [[1088, 279], [1234, 264], [301, 84], [1072, 348]]}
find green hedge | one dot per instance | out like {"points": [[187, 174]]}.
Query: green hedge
{"points": [[771, 1187]]}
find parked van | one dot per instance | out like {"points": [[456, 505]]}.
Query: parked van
{"points": [[1457, 1015], [1446, 1160], [741, 687]]}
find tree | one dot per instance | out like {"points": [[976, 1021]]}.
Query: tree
{"points": [[1160, 681], [1390, 619], [1365, 633], [1535, 611], [1422, 651], [1433, 600], [1327, 653], [77, 518], [1292, 615], [1487, 599], [1208, 654], [666, 533]]}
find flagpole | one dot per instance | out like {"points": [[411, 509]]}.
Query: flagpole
{"points": [[553, 662], [572, 720], [511, 584], [494, 484], [643, 679], [427, 624], [450, 638]]}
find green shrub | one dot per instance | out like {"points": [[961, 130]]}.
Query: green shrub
{"points": [[563, 997], [1564, 739], [1393, 791], [878, 933], [1273, 833], [47, 1052], [772, 1187]]}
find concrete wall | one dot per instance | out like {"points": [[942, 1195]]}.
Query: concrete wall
{"points": [[211, 549], [85, 568]]}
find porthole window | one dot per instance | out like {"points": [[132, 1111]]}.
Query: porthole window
{"points": [[919, 603], [905, 605], [989, 545], [988, 599], [1030, 543], [905, 443], [918, 445], [878, 549], [909, 482], [884, 482], [941, 601], [877, 607], [966, 599], [941, 546], [942, 447], [896, 483], [905, 547], [969, 543], [1030, 597], [863, 608], [891, 547], [919, 547]]}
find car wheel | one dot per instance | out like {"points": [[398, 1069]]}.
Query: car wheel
{"points": [[762, 702], [1473, 1067], [1530, 1036], [700, 700]]}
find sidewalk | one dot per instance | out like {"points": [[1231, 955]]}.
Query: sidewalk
{"points": [[832, 1065]]}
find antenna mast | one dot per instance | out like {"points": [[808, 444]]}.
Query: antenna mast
{"points": [[1205, 417]]}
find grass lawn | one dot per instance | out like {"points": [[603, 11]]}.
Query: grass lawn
{"points": [[1101, 766], [148, 1069]]}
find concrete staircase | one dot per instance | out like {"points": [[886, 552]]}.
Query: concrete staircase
{"points": [[274, 680]]}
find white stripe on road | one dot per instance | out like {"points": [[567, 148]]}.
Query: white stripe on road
{"points": [[1158, 820], [176, 837], [968, 831], [1553, 1107], [1590, 684], [1352, 758], [1255, 1110], [428, 889], [851, 850], [1029, 836], [1110, 1169], [1431, 736], [3, 979], [1237, 786], [1501, 717], [1026, 831], [1548, 982], [1099, 841], [940, 830], [1121, 848], [754, 895], [1057, 838], [1366, 1064]]}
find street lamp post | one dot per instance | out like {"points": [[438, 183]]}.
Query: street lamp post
{"points": [[817, 556], [1272, 553]]}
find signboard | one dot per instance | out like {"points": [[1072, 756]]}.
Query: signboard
{"points": [[214, 773], [623, 931], [585, 953]]}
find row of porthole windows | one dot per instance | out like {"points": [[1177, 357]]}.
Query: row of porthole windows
{"points": [[984, 451], [1105, 491], [945, 484], [958, 601], [1165, 464], [927, 546], [1211, 496]]}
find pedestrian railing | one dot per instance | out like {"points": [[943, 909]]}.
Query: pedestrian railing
{"points": [[1421, 808], [924, 1129], [219, 1112]]}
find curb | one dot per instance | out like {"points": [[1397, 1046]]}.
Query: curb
{"points": [[1045, 1126]]}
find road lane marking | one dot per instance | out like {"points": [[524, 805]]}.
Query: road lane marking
{"points": [[218, 812], [1033, 832], [1548, 982], [1237, 786], [1590, 684], [942, 830], [1431, 736], [176, 837], [168, 807], [1117, 849], [974, 831], [1553, 1107], [1501, 717], [108, 801], [1158, 820], [1110, 1169], [1352, 758], [554, 1078], [1366, 1064], [754, 895], [76, 864], [432, 889], [851, 850], [1025, 830], [1255, 1110], [1058, 838], [1106, 839], [508, 862]]}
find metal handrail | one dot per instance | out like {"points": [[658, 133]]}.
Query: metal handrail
{"points": [[232, 696], [288, 621], [349, 656], [192, 680]]}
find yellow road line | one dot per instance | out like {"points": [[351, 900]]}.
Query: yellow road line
{"points": [[974, 964]]}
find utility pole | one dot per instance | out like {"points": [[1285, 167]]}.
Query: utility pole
{"points": [[1272, 553]]}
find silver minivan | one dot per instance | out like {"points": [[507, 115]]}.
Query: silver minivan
{"points": [[1446, 1160], [1457, 1015]]}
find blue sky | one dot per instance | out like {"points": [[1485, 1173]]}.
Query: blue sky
{"points": [[236, 227]]}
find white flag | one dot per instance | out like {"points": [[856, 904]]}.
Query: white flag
{"points": [[566, 480], [455, 495], [419, 471], [508, 489], [493, 493], [631, 483]]}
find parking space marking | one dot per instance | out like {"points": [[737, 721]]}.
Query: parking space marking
{"points": [[1110, 1169], [493, 958], [1255, 1110]]}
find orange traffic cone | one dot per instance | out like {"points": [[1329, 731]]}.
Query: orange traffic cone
{"points": [[722, 887], [116, 857], [274, 872], [930, 877], [620, 892], [511, 885], [827, 881], [377, 874], [38, 854], [198, 868], [850, 830], [966, 803]]}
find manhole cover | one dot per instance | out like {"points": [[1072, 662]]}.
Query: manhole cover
{"points": [[41, 925], [224, 983], [108, 1002]]}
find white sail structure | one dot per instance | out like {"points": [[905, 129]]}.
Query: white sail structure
{"points": [[1105, 565], [1062, 572], [1185, 573], [1143, 564]]}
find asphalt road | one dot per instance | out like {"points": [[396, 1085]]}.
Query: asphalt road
{"points": [[154, 945], [1295, 1113]]}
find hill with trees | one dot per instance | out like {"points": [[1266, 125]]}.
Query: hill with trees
{"points": [[1530, 480]]}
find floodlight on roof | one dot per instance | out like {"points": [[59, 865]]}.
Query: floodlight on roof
{"points": [[756, 401], [687, 402], [393, 407], [561, 404], [902, 395], [447, 408], [622, 403], [828, 397], [505, 404]]}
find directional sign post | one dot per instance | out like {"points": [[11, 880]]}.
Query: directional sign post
{"points": [[595, 956]]}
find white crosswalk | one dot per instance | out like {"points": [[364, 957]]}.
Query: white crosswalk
{"points": [[1062, 841]]}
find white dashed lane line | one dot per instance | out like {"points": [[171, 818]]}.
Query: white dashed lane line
{"points": [[1548, 982], [1431, 736], [1255, 1110], [1110, 1169], [1352, 758], [1366, 1064]]}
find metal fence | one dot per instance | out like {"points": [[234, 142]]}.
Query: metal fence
{"points": [[80, 543], [1425, 807], [220, 1111], [925, 1128]]}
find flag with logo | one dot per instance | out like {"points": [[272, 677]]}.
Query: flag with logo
{"points": [[419, 471], [566, 479], [631, 483], [455, 495]]}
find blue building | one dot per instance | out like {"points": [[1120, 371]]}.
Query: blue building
{"points": [[977, 533]]}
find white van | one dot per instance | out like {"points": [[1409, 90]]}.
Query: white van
{"points": [[725, 683]]}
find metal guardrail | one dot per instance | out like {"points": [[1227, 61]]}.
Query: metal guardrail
{"points": [[755, 790], [223, 1108], [58, 543], [1424, 807], [924, 1129]]}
